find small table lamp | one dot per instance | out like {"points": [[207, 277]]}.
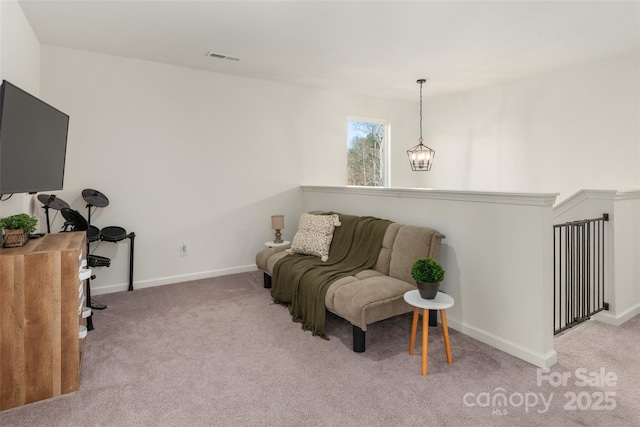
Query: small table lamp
{"points": [[277, 223]]}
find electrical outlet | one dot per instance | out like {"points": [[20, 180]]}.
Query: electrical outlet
{"points": [[184, 250]]}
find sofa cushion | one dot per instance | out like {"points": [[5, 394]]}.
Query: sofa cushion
{"points": [[331, 292], [384, 257], [329, 298], [410, 244], [367, 301], [365, 274], [314, 235]]}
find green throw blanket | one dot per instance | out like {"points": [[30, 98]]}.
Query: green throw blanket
{"points": [[297, 282]]}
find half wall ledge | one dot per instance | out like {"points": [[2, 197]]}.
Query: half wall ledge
{"points": [[530, 199]]}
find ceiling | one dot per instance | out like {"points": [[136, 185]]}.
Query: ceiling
{"points": [[374, 48]]}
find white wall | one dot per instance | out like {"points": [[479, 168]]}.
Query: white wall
{"points": [[19, 64], [323, 156], [20, 49], [560, 131], [192, 156], [497, 254]]}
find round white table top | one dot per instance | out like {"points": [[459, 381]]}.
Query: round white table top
{"points": [[440, 302], [272, 244]]}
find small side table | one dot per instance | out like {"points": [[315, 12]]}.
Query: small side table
{"points": [[441, 302], [272, 244]]}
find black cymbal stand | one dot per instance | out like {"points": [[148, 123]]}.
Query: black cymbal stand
{"points": [[46, 214], [90, 318]]}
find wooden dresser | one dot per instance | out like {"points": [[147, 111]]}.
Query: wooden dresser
{"points": [[41, 297]]}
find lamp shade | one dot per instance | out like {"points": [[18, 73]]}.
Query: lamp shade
{"points": [[277, 222]]}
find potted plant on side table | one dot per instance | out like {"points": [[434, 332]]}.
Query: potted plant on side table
{"points": [[17, 228], [428, 273]]}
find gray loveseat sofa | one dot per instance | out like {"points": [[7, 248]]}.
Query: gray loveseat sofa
{"points": [[374, 294]]}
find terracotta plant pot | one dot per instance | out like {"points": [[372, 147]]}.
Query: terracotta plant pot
{"points": [[428, 290]]}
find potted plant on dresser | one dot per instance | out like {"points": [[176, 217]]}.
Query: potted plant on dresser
{"points": [[17, 228], [428, 273]]}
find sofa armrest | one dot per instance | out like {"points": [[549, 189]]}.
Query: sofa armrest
{"points": [[263, 256]]}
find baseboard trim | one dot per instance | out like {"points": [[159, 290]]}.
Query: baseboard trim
{"points": [[541, 360], [119, 287], [613, 320]]}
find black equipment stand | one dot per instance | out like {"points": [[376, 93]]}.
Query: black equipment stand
{"points": [[46, 214], [90, 318], [51, 201], [93, 198], [78, 223], [131, 236]]}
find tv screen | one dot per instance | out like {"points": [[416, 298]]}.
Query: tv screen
{"points": [[33, 143]]}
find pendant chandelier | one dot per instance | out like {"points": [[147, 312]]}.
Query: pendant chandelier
{"points": [[421, 156]]}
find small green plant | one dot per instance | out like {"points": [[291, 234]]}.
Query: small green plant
{"points": [[427, 270], [19, 221]]}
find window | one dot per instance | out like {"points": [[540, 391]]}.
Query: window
{"points": [[366, 152]]}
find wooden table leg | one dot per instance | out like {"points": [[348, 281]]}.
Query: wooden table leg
{"points": [[445, 332], [425, 340], [414, 328]]}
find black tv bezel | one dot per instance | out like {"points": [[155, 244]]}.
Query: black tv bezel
{"points": [[56, 186]]}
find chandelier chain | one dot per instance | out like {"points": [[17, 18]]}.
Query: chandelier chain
{"points": [[420, 140]]}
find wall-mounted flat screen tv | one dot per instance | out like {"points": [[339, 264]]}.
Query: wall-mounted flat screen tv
{"points": [[33, 143]]}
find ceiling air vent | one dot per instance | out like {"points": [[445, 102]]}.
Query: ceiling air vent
{"points": [[220, 56]]}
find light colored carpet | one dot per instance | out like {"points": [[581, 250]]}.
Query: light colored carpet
{"points": [[218, 352]]}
